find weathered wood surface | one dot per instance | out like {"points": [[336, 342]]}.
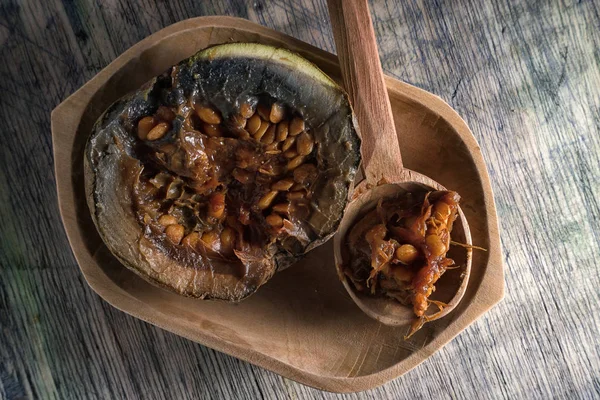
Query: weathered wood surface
{"points": [[524, 75]]}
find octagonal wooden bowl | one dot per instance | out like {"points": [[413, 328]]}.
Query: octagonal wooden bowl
{"points": [[302, 324]]}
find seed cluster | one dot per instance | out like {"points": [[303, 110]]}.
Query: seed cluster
{"points": [[221, 183]]}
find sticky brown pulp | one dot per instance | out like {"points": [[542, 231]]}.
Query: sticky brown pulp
{"points": [[419, 223], [184, 173]]}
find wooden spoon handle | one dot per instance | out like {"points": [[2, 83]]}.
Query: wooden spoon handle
{"points": [[363, 77]]}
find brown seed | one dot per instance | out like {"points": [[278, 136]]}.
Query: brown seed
{"points": [[191, 240], [207, 114], [406, 253], [165, 114], [246, 109], [282, 208], [435, 245], [297, 186], [212, 240], [277, 113], [253, 124], [269, 135], [166, 220], [283, 185], [175, 233], [212, 130], [402, 274], [275, 220], [158, 131], [296, 195], [216, 205], [306, 174], [242, 176], [295, 162], [264, 125], [282, 131], [291, 153], [287, 143], [267, 199], [227, 240], [441, 211], [273, 148], [264, 111], [296, 126], [305, 144], [145, 125]]}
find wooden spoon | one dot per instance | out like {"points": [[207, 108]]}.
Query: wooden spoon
{"points": [[382, 163]]}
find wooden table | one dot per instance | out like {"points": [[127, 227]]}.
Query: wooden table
{"points": [[524, 75]]}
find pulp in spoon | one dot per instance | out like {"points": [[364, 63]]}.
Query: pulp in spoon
{"points": [[399, 249]]}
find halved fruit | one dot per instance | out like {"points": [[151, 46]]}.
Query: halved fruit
{"points": [[223, 170]]}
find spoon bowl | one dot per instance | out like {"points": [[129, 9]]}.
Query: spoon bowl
{"points": [[450, 288], [385, 175]]}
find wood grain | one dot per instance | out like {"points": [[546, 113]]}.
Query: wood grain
{"points": [[524, 75], [356, 48]]}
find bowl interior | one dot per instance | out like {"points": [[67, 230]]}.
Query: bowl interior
{"points": [[302, 323]]}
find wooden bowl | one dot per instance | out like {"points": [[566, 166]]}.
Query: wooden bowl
{"points": [[302, 324]]}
